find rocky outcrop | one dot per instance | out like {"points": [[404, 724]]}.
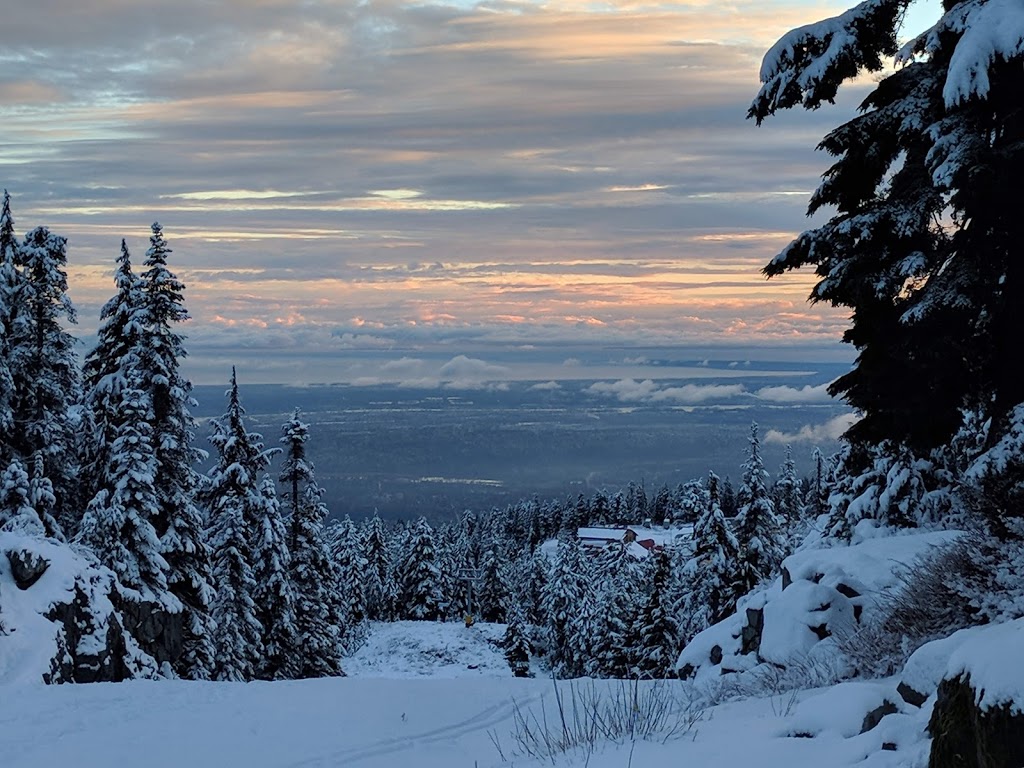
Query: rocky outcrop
{"points": [[159, 632], [967, 735], [68, 619], [913, 697], [820, 597], [91, 647]]}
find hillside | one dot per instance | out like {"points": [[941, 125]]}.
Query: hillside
{"points": [[439, 694]]}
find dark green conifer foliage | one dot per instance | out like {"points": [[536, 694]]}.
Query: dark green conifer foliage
{"points": [[924, 245], [319, 615], [657, 647]]}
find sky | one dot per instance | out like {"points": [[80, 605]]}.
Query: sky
{"points": [[349, 185]]}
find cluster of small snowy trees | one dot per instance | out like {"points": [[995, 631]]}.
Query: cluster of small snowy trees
{"points": [[101, 456], [582, 610]]}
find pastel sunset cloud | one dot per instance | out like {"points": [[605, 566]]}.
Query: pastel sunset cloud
{"points": [[515, 172]]}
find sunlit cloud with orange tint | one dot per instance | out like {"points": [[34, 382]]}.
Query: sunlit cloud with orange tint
{"points": [[423, 176]]}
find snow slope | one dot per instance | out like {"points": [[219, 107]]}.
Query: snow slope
{"points": [[411, 649], [379, 723]]}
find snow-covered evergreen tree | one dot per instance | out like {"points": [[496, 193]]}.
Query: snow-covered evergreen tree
{"points": [[714, 565], [729, 503], [787, 492], [296, 470], [516, 643], [924, 243], [318, 612], [118, 523], [662, 510], [616, 635], [636, 504], [419, 578], [42, 497], [104, 374], [494, 591], [691, 500], [657, 647], [350, 567], [45, 372], [816, 502], [236, 505], [566, 606], [378, 587], [179, 523], [16, 510], [272, 593], [537, 574], [10, 280], [762, 542], [239, 647]]}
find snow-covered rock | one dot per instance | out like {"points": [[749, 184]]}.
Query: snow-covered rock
{"points": [[926, 666], [847, 709], [61, 625], [978, 719], [821, 593]]}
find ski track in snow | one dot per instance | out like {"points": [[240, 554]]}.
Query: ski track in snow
{"points": [[489, 717]]}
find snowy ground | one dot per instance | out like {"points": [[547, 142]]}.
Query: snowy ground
{"points": [[371, 723], [445, 718], [411, 649]]}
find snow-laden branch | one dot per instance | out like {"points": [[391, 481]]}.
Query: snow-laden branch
{"points": [[808, 64]]}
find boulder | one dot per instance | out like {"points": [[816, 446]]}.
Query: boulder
{"points": [[874, 717], [716, 654], [967, 735], [26, 567], [909, 695]]}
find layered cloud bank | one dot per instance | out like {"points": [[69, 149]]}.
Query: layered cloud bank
{"points": [[351, 176]]}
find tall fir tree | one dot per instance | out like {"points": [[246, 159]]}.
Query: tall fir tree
{"points": [[45, 372], [179, 523], [657, 646], [318, 612], [516, 643], [924, 242], [235, 503], [762, 543], [105, 374], [494, 590], [351, 569], [296, 470], [378, 587], [616, 640], [730, 506], [787, 493], [714, 563], [10, 290], [816, 502], [565, 606]]}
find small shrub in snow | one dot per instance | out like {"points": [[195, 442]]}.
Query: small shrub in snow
{"points": [[971, 581], [824, 666], [586, 715]]}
